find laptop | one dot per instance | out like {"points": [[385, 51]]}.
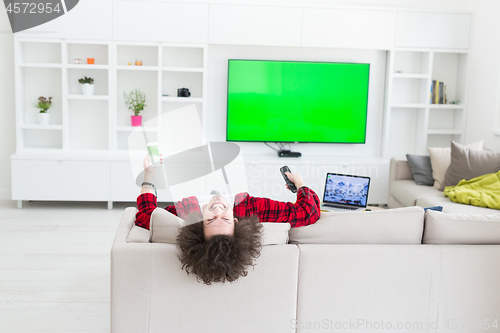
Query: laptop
{"points": [[345, 192]]}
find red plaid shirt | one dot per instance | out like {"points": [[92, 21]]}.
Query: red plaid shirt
{"points": [[301, 213]]}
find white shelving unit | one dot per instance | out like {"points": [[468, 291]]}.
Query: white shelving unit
{"points": [[100, 122], [91, 126], [411, 122]]}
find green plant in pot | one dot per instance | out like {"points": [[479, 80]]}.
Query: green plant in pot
{"points": [[43, 104], [87, 85], [136, 101]]}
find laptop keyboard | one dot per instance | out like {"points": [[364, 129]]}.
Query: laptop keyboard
{"points": [[339, 206]]}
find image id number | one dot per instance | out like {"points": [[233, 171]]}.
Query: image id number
{"points": [[33, 8]]}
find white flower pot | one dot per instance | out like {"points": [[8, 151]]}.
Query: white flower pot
{"points": [[88, 89], [43, 118]]}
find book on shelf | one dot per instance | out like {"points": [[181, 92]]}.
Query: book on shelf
{"points": [[441, 87], [438, 92]]}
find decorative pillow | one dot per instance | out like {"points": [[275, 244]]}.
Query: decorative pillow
{"points": [[391, 226], [467, 164], [444, 228], [441, 159], [421, 169], [165, 228]]}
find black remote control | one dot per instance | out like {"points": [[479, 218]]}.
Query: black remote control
{"points": [[291, 186]]}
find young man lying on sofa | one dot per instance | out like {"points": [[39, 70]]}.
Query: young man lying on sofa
{"points": [[220, 239]]}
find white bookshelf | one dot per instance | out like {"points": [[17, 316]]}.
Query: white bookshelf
{"points": [[411, 122], [101, 122]]}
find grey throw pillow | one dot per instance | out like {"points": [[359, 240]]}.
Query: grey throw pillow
{"points": [[469, 163], [421, 169]]}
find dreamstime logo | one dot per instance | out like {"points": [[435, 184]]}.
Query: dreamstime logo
{"points": [[192, 166], [27, 14]]}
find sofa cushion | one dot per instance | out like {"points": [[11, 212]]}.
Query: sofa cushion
{"points": [[441, 159], [407, 192], [468, 163], [421, 169], [392, 226], [453, 228], [453, 207], [165, 228]]}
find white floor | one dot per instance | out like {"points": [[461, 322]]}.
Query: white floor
{"points": [[54, 266]]}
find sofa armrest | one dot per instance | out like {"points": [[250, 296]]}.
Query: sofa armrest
{"points": [[130, 279], [399, 170]]}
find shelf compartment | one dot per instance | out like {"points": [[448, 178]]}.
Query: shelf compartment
{"points": [[134, 140], [172, 106], [409, 62], [40, 53], [175, 80], [130, 53], [93, 113], [182, 56], [450, 68], [410, 91], [442, 140], [83, 51], [100, 77], [147, 82], [42, 138], [404, 136], [445, 121], [38, 82]]}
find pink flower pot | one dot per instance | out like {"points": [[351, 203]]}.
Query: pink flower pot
{"points": [[136, 120]]}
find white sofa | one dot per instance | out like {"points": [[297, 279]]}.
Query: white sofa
{"points": [[349, 272], [403, 192]]}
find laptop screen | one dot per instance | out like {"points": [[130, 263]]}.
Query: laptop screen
{"points": [[346, 189]]}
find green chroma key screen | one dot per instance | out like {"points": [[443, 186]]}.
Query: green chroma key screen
{"points": [[294, 101]]}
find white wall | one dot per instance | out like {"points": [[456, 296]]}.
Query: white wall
{"points": [[217, 94], [7, 122], [484, 75]]}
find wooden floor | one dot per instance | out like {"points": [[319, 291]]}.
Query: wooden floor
{"points": [[54, 266]]}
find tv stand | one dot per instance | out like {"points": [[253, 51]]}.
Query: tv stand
{"points": [[288, 153]]}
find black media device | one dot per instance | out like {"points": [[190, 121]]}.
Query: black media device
{"points": [[291, 186], [183, 92], [288, 153]]}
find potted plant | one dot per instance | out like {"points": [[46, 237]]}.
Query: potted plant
{"points": [[135, 101], [87, 85], [43, 105]]}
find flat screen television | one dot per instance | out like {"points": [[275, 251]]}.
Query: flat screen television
{"points": [[297, 101]]}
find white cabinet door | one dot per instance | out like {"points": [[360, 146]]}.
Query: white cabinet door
{"points": [[60, 180], [254, 25], [89, 19], [438, 30], [369, 29], [160, 21], [123, 182]]}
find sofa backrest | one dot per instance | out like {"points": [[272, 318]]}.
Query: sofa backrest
{"points": [[394, 226]]}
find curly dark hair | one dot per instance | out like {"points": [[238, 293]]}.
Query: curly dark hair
{"points": [[221, 258]]}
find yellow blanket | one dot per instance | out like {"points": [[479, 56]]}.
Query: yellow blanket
{"points": [[482, 191]]}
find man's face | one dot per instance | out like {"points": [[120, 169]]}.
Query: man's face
{"points": [[218, 218]]}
